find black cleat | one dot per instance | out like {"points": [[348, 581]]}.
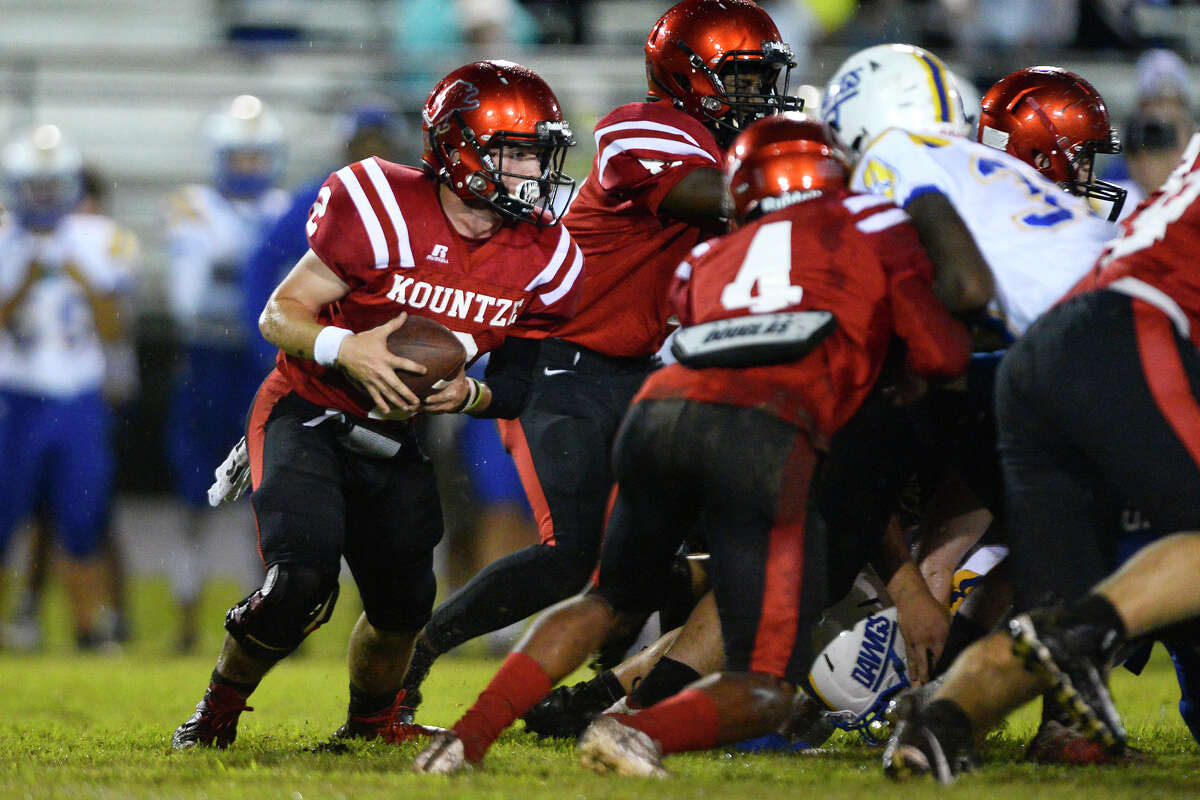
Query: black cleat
{"points": [[215, 722], [1070, 660], [934, 741], [568, 710]]}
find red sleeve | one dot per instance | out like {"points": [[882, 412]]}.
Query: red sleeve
{"points": [[679, 295], [338, 234], [644, 150], [939, 346], [556, 288]]}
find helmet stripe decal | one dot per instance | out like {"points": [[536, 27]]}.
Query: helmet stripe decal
{"points": [[937, 84]]}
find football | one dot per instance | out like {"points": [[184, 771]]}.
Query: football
{"points": [[431, 343]]}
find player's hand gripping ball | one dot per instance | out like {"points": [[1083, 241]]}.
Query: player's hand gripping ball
{"points": [[431, 343]]}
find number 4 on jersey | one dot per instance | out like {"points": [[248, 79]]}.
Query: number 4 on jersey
{"points": [[764, 282]]}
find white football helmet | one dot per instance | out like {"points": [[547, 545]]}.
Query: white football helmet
{"points": [[248, 147], [892, 86], [43, 176], [859, 670]]}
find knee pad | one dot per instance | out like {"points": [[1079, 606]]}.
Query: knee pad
{"points": [[295, 600]]}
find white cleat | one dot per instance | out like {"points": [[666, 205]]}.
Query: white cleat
{"points": [[443, 756], [621, 707], [610, 746]]}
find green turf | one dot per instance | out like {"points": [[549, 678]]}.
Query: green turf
{"points": [[98, 727]]}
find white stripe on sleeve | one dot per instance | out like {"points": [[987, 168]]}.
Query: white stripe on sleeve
{"points": [[647, 143], [367, 215], [881, 221], [388, 196], [550, 298], [861, 202], [644, 125], [556, 260]]}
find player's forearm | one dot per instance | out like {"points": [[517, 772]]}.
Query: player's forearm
{"points": [[8, 308], [291, 326], [508, 379], [962, 279]]}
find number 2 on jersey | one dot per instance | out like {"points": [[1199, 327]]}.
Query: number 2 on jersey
{"points": [[764, 282], [318, 210]]}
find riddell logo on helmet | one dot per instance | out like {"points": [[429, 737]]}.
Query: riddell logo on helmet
{"points": [[451, 99]]}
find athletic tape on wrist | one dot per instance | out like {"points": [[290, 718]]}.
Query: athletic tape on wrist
{"points": [[328, 343], [476, 395]]}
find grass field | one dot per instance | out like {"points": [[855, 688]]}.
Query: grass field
{"points": [[98, 727]]}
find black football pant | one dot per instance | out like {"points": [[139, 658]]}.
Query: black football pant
{"points": [[562, 446], [737, 478], [1096, 405]]}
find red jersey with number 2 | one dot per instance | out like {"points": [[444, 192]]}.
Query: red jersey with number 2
{"points": [[380, 228], [857, 256]]}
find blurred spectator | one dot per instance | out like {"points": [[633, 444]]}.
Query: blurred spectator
{"points": [[64, 280], [428, 34], [1009, 31], [368, 129], [211, 231], [1158, 129], [24, 632]]}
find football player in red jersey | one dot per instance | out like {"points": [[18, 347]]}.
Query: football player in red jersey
{"points": [[729, 452], [469, 240], [654, 192], [1099, 401]]}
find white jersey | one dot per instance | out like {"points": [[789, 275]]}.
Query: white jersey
{"points": [[209, 239], [51, 347], [1038, 239]]}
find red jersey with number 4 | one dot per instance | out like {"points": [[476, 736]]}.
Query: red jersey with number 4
{"points": [[1159, 245], [642, 151], [857, 256], [380, 228]]}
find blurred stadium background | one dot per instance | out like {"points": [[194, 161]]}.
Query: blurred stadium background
{"points": [[130, 81]]}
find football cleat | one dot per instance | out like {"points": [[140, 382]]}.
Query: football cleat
{"points": [[1069, 661], [608, 745], [566, 711], [1056, 743], [924, 743], [372, 726], [445, 755], [215, 722]]}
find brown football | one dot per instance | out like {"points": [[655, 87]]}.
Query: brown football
{"points": [[431, 343]]}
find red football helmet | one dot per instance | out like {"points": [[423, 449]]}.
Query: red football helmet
{"points": [[721, 62], [478, 110], [1055, 121], [782, 160]]}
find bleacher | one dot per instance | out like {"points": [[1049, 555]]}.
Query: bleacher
{"points": [[132, 80]]}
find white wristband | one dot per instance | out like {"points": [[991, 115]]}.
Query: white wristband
{"points": [[327, 345]]}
